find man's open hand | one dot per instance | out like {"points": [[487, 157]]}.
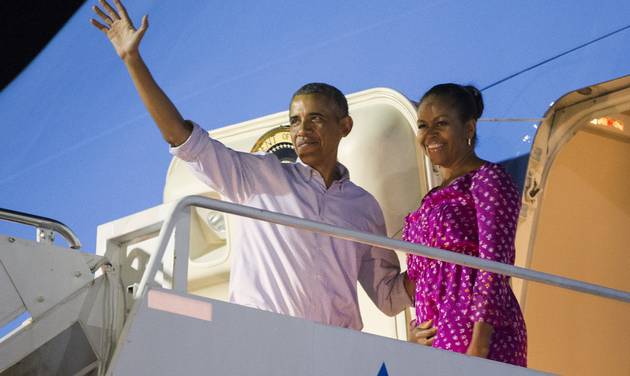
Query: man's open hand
{"points": [[119, 29]]}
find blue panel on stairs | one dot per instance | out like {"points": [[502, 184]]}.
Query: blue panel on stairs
{"points": [[383, 371]]}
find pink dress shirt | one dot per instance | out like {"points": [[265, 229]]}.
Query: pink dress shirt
{"points": [[295, 272]]}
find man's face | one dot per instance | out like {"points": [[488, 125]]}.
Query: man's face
{"points": [[317, 126]]}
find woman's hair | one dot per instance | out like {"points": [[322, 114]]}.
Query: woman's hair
{"points": [[467, 99]]}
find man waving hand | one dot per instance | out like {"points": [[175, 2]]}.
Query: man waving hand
{"points": [[277, 268]]}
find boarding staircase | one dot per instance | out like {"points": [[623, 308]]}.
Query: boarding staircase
{"points": [[91, 316]]}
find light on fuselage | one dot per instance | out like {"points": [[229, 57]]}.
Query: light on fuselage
{"points": [[608, 122]]}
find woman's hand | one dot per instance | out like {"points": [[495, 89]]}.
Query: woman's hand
{"points": [[481, 339], [119, 29], [424, 333]]}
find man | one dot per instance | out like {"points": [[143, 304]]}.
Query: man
{"points": [[277, 268]]}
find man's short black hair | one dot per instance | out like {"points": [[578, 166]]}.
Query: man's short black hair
{"points": [[326, 90]]}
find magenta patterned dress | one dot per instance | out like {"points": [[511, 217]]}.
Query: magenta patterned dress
{"points": [[475, 215]]}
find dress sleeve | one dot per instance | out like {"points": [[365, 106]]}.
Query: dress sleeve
{"points": [[235, 175], [497, 205], [413, 264], [380, 276]]}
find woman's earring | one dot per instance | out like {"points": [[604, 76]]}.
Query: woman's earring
{"points": [[469, 142]]}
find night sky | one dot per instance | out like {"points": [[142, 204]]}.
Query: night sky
{"points": [[26, 27]]}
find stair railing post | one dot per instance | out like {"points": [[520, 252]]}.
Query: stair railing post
{"points": [[181, 249]]}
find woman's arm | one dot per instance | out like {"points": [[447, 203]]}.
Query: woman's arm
{"points": [[481, 338], [497, 205]]}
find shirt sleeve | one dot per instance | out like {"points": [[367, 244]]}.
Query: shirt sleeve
{"points": [[380, 276], [497, 204], [235, 175]]}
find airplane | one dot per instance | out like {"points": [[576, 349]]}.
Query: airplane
{"points": [[81, 158]]}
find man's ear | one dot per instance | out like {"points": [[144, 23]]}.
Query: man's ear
{"points": [[346, 125]]}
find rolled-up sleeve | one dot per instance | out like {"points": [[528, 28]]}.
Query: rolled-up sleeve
{"points": [[380, 276], [229, 172]]}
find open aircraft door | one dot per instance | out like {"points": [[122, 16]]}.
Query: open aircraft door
{"points": [[380, 154], [575, 222]]}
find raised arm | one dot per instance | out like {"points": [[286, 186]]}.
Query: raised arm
{"points": [[125, 38]]}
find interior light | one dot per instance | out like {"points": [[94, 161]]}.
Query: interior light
{"points": [[608, 122], [216, 221]]}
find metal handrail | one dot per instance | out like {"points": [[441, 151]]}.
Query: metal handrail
{"points": [[362, 237], [42, 223]]}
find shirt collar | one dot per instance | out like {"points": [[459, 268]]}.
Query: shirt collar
{"points": [[309, 172]]}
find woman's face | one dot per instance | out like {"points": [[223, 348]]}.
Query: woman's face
{"points": [[441, 133]]}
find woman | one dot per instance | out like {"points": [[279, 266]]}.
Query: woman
{"points": [[474, 211]]}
